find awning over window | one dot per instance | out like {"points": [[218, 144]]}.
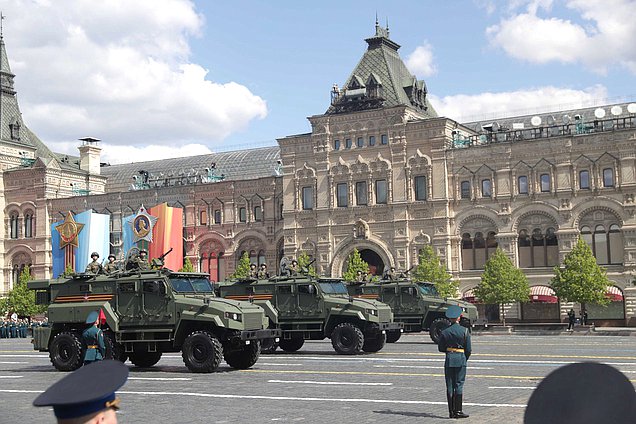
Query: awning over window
{"points": [[614, 294], [543, 294], [469, 296]]}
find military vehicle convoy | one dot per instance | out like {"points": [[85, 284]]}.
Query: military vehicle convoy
{"points": [[145, 313], [417, 305], [304, 308]]}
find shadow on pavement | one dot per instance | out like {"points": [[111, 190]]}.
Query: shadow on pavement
{"points": [[409, 414]]}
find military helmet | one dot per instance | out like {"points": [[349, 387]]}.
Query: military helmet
{"points": [[94, 254], [143, 251], [112, 256]]}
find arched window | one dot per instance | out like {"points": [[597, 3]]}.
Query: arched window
{"points": [[258, 213], [203, 217], [486, 188], [584, 180], [465, 190], [606, 242], [523, 184], [608, 177], [468, 261], [13, 223], [261, 258], [28, 225], [477, 249], [545, 183]]}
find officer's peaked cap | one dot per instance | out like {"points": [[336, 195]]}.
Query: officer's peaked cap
{"points": [[453, 312], [92, 317]]}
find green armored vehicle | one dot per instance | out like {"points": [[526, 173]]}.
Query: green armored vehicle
{"points": [[304, 307], [417, 305], [145, 313]]}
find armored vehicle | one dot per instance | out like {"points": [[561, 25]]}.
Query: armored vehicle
{"points": [[304, 307], [144, 313], [417, 305]]}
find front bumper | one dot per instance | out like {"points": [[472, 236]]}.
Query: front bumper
{"points": [[391, 326], [267, 333]]}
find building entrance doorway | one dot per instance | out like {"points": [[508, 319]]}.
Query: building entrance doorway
{"points": [[376, 264]]}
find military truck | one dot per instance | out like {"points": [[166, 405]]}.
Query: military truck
{"points": [[305, 307], [417, 305], [145, 313]]}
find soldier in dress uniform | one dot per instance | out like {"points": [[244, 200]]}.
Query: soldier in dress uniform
{"points": [[87, 395], [253, 271], [111, 266], [262, 272], [455, 342], [94, 267], [3, 329], [94, 340]]}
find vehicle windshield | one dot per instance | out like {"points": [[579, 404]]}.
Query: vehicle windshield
{"points": [[428, 289], [333, 287], [183, 284]]}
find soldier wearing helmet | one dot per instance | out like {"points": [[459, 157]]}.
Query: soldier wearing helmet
{"points": [[141, 261], [111, 266], [94, 267]]}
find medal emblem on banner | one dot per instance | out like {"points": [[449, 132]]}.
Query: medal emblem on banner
{"points": [[69, 230], [142, 225]]}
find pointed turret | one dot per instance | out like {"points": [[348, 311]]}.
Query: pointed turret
{"points": [[381, 80]]}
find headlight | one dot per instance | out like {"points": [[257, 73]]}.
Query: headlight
{"points": [[233, 315], [464, 309], [373, 312]]}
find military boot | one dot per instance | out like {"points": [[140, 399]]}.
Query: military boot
{"points": [[458, 407], [451, 405]]}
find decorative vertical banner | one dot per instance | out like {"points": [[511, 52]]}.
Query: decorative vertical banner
{"points": [[168, 233], [95, 237], [64, 241], [137, 229]]}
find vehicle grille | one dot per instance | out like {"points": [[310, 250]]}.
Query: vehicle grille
{"points": [[253, 320], [384, 314]]}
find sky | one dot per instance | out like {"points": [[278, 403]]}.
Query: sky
{"points": [[166, 78]]}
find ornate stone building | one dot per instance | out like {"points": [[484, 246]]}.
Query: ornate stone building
{"points": [[380, 172]]}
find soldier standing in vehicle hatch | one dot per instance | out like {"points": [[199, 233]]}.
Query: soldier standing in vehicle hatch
{"points": [[94, 339], [94, 267], [455, 342], [111, 266]]}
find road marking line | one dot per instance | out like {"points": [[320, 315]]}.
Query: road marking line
{"points": [[396, 374], [8, 362], [288, 398], [334, 383], [514, 355], [512, 387], [426, 367], [25, 356], [279, 365], [10, 376], [161, 378]]}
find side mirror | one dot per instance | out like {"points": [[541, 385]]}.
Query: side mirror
{"points": [[311, 289]]}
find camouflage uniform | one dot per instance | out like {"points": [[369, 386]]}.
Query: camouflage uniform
{"points": [[141, 262], [293, 268], [111, 266], [262, 273], [253, 271], [94, 267]]}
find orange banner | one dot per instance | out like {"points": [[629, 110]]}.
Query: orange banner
{"points": [[167, 233]]}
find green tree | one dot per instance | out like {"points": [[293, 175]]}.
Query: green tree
{"points": [[355, 264], [303, 264], [243, 267], [502, 283], [68, 271], [187, 266], [431, 270], [21, 300], [581, 279], [4, 306]]}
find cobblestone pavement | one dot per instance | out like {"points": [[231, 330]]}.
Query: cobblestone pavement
{"points": [[402, 383]]}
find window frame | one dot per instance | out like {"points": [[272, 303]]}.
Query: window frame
{"points": [[611, 175], [385, 190], [587, 179], [358, 186], [483, 188], [304, 191], [525, 177], [342, 199], [371, 140], [242, 214], [464, 189], [419, 185], [548, 182]]}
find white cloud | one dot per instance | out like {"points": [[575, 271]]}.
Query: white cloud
{"points": [[466, 108], [119, 71], [420, 62], [604, 39]]}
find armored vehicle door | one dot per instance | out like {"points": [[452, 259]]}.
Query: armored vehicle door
{"points": [[309, 301], [389, 296], [409, 298], [285, 301], [127, 301], [157, 302]]}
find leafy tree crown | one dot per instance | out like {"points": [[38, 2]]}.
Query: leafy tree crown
{"points": [[355, 264], [502, 282], [431, 270], [243, 267]]}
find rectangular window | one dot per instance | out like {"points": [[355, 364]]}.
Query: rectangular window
{"points": [[486, 188], [361, 193], [360, 142], [465, 189], [523, 185], [608, 177], [584, 179], [203, 218], [308, 198], [258, 213], [348, 143], [380, 192], [371, 140], [217, 216], [545, 183], [420, 187], [342, 194], [336, 144], [384, 139], [242, 215]]}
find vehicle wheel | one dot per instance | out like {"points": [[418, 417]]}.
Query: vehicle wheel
{"points": [[436, 328], [347, 339], [114, 350], [145, 359], [66, 351], [374, 345], [243, 358], [291, 345], [202, 352], [269, 346], [393, 336]]}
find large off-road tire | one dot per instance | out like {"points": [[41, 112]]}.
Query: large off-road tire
{"points": [[436, 328], [243, 358], [113, 349], [202, 352], [145, 359], [66, 351], [347, 339], [393, 336], [268, 346], [374, 345], [291, 345]]}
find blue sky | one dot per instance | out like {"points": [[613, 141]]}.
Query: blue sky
{"points": [[165, 78]]}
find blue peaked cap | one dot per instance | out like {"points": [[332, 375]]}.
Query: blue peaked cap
{"points": [[453, 312], [92, 317]]}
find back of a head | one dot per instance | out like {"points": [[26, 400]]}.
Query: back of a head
{"points": [[583, 393]]}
